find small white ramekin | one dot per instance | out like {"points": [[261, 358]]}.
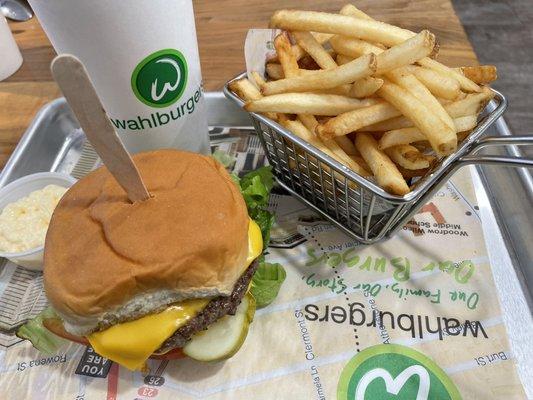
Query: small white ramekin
{"points": [[32, 258]]}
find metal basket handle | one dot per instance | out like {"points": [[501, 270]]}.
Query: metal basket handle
{"points": [[499, 160]]}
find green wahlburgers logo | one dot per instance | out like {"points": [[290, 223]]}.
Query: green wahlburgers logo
{"points": [[160, 79], [389, 371]]}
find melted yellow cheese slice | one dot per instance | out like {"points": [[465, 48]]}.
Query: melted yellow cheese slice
{"points": [[255, 242], [131, 343]]}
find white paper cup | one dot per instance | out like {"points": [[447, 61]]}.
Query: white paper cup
{"points": [[32, 258], [142, 57], [10, 56]]}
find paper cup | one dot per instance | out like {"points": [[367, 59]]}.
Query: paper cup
{"points": [[142, 57], [9, 51]]}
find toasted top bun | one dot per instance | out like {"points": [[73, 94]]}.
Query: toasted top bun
{"points": [[108, 260]]}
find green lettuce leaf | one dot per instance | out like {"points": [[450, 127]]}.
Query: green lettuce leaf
{"points": [[255, 193], [255, 188], [235, 179], [41, 338], [223, 158], [265, 176], [266, 283]]}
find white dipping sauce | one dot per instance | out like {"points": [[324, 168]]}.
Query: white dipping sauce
{"points": [[23, 224]]}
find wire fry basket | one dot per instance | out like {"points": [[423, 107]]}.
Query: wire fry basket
{"points": [[354, 204]]}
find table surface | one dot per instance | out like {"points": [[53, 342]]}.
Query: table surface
{"points": [[221, 27]]}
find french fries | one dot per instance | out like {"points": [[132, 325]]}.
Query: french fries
{"points": [[350, 162], [347, 145], [342, 59], [324, 79], [403, 122], [390, 124], [410, 135], [471, 104], [309, 121], [307, 103], [353, 11], [321, 37], [342, 90], [361, 161], [246, 90], [369, 30], [409, 82], [465, 123], [351, 47], [353, 120], [438, 84], [298, 52], [258, 79], [408, 52], [399, 137], [275, 71], [412, 173], [481, 74], [405, 53], [365, 87], [367, 94], [314, 49], [384, 170], [466, 84], [442, 137], [299, 129], [288, 62], [408, 157]]}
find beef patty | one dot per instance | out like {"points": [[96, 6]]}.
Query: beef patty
{"points": [[215, 309]]}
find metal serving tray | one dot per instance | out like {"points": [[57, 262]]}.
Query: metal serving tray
{"points": [[54, 142]]}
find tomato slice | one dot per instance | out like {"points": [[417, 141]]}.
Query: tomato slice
{"points": [[171, 355], [55, 325]]}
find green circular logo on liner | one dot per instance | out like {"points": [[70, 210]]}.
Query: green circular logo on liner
{"points": [[391, 371], [160, 79]]}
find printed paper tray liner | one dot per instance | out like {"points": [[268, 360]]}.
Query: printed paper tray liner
{"points": [[416, 317]]}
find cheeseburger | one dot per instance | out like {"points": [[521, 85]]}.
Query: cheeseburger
{"points": [[162, 277]]}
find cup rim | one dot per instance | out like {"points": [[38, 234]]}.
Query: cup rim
{"points": [[21, 254], [38, 175]]}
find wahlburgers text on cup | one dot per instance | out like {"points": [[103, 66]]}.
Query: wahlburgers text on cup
{"points": [[143, 62]]}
